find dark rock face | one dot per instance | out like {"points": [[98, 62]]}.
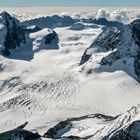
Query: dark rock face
{"points": [[5, 52], [72, 138], [127, 47], [132, 132], [122, 44], [103, 21], [20, 134], [137, 66], [110, 59], [58, 131], [109, 38], [52, 132], [106, 41], [24, 134], [85, 58], [31, 29], [15, 34], [50, 37], [135, 26], [50, 21]]}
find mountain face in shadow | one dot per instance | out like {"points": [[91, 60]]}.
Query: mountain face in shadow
{"points": [[20, 133], [51, 21], [101, 21], [131, 132], [13, 34]]}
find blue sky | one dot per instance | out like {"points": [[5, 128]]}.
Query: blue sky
{"points": [[5, 3]]}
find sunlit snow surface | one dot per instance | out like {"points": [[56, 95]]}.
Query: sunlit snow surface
{"points": [[47, 86]]}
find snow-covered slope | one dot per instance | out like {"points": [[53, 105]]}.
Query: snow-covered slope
{"points": [[14, 34], [43, 84], [98, 126], [120, 46]]}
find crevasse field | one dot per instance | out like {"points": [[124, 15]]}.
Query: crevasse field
{"points": [[45, 84]]}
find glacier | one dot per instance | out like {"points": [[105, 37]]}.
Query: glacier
{"points": [[70, 77]]}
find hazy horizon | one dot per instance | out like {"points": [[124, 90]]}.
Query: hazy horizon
{"points": [[55, 10], [62, 3]]}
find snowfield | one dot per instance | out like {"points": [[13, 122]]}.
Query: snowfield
{"points": [[44, 84]]}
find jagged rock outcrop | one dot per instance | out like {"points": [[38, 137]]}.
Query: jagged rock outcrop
{"points": [[106, 41], [51, 36], [44, 37], [12, 34], [85, 57], [132, 132], [53, 132], [135, 26], [109, 38], [122, 45], [19, 133], [125, 48], [137, 66]]}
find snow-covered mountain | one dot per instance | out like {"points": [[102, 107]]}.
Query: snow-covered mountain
{"points": [[12, 34], [69, 79], [121, 46]]}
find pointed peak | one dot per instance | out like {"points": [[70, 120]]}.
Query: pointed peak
{"points": [[5, 13]]}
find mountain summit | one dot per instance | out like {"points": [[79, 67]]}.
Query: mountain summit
{"points": [[12, 33], [121, 48]]}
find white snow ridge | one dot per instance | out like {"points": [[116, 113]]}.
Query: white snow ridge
{"points": [[63, 77]]}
